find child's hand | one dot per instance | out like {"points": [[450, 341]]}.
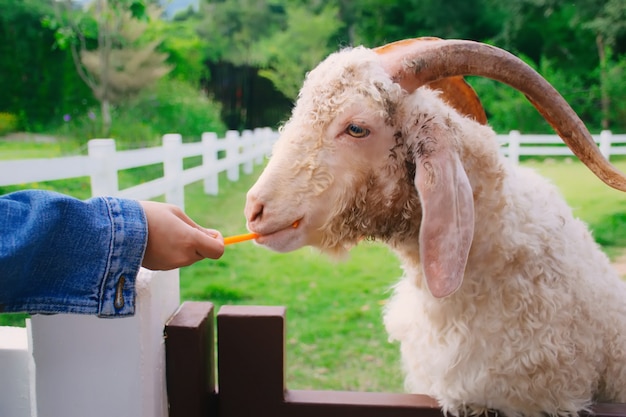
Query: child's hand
{"points": [[174, 240]]}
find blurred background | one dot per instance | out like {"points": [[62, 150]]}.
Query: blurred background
{"points": [[135, 69]]}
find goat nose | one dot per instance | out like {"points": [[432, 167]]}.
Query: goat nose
{"points": [[254, 209]]}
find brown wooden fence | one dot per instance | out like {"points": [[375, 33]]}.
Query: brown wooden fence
{"points": [[251, 372]]}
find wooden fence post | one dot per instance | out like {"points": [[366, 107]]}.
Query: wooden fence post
{"points": [[232, 154], [189, 342], [89, 366], [103, 168], [251, 364], [172, 169], [209, 160]]}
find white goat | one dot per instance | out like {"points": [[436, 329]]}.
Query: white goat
{"points": [[506, 303]]}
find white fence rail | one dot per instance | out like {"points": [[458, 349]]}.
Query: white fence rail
{"points": [[515, 145], [74, 366], [103, 163]]}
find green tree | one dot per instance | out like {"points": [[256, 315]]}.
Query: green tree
{"points": [[284, 38], [233, 28], [288, 54], [186, 49], [615, 85], [119, 65], [379, 21], [34, 81], [582, 39], [607, 21]]}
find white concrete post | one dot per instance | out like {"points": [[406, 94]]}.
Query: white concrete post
{"points": [[249, 149], [173, 169], [103, 168], [514, 146], [605, 143], [209, 162], [16, 398], [89, 366], [232, 155]]}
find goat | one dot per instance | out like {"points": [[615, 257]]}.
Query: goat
{"points": [[506, 302]]}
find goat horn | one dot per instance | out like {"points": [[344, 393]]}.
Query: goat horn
{"points": [[414, 63], [454, 90]]}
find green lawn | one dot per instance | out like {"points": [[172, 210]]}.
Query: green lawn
{"points": [[602, 207], [335, 338], [25, 146]]}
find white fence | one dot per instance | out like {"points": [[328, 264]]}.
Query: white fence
{"points": [[515, 145], [103, 163], [75, 366]]}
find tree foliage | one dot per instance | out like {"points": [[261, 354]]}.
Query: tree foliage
{"points": [[287, 55], [233, 27], [579, 46], [378, 21], [105, 42], [37, 81]]}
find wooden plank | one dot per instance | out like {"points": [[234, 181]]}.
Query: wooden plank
{"points": [[358, 404], [189, 361], [251, 346], [607, 410]]}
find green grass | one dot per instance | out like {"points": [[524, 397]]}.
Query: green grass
{"points": [[602, 207], [335, 338], [15, 150], [26, 146]]}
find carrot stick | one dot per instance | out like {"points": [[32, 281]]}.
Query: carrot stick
{"points": [[248, 236], [240, 238]]}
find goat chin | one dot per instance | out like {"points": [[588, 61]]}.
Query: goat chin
{"points": [[534, 324]]}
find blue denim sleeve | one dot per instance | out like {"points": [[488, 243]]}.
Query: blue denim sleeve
{"points": [[59, 254]]}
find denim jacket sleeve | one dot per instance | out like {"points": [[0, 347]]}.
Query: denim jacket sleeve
{"points": [[59, 254]]}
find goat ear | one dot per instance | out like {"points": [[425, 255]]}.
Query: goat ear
{"points": [[447, 225], [461, 96]]}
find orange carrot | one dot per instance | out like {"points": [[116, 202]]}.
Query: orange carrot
{"points": [[240, 238], [247, 236]]}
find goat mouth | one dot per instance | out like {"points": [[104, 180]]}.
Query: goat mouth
{"points": [[280, 239], [293, 225]]}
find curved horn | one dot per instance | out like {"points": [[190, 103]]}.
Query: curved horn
{"points": [[454, 90], [414, 63]]}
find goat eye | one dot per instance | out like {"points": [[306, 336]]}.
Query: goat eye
{"points": [[357, 131]]}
